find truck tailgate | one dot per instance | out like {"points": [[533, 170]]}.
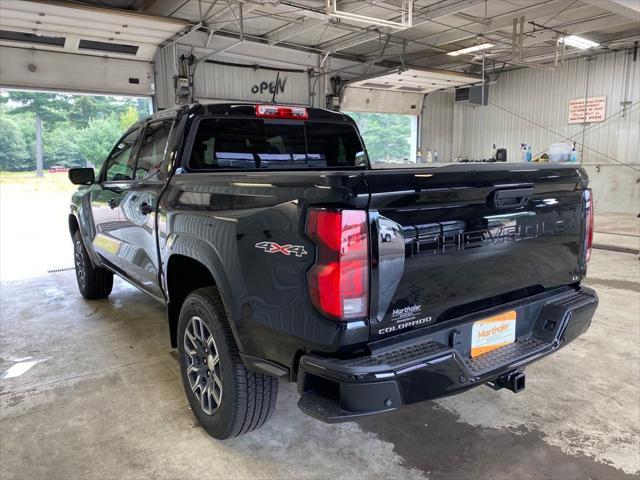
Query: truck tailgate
{"points": [[451, 240]]}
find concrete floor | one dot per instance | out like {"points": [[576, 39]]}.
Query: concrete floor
{"points": [[617, 232], [104, 399]]}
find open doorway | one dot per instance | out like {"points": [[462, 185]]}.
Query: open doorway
{"points": [[42, 135], [391, 139]]}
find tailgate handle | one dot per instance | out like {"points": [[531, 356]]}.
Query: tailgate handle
{"points": [[513, 197]]}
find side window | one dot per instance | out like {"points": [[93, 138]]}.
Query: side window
{"points": [[120, 162], [152, 150]]}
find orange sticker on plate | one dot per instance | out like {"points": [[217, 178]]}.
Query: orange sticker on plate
{"points": [[493, 332]]}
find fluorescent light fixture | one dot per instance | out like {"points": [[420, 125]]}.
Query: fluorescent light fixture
{"points": [[578, 42], [475, 48]]}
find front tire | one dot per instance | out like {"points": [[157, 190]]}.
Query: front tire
{"points": [[227, 399], [93, 282]]}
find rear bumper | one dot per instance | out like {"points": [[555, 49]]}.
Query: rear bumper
{"points": [[437, 363]]}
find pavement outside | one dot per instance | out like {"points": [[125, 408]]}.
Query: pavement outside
{"points": [[91, 390]]}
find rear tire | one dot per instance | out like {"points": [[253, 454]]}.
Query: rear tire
{"points": [[93, 282], [227, 399]]}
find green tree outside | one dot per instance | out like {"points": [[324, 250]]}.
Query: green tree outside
{"points": [[13, 148], [39, 130], [95, 141], [45, 107], [386, 136]]}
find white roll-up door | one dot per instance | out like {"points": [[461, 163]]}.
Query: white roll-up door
{"points": [[400, 91]]}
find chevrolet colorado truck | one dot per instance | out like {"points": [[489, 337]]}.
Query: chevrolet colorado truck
{"points": [[280, 252]]}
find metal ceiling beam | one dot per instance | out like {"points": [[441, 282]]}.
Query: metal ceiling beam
{"points": [[442, 9], [313, 20], [228, 15], [471, 18], [290, 31], [496, 23], [576, 27]]}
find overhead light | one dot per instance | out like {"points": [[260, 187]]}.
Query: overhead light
{"points": [[475, 48], [578, 42]]}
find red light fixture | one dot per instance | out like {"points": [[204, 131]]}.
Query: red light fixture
{"points": [[588, 224], [275, 111], [339, 280]]}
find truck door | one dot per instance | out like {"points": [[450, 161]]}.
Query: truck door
{"points": [[138, 208], [115, 180]]}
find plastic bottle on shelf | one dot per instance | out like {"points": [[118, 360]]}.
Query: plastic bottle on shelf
{"points": [[523, 152], [494, 152], [529, 154], [429, 155], [435, 155], [418, 157], [573, 156]]}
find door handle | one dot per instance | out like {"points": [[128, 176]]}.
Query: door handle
{"points": [[511, 198], [144, 208], [112, 203]]}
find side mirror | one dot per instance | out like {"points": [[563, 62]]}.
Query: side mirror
{"points": [[82, 176]]}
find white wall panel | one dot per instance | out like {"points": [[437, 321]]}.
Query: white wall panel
{"points": [[531, 106], [437, 125], [164, 71], [214, 82], [223, 82]]}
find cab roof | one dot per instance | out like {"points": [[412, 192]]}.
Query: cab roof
{"points": [[248, 110]]}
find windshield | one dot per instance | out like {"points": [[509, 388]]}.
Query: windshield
{"points": [[241, 143]]}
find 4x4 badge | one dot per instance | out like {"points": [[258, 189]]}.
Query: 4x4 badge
{"points": [[272, 247]]}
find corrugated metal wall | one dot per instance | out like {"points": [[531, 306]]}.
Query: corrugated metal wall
{"points": [[531, 106], [164, 71], [437, 125], [224, 82], [216, 82]]}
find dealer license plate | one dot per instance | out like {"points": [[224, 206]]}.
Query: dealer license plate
{"points": [[493, 332]]}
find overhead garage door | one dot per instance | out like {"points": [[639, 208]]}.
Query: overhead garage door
{"points": [[387, 107], [399, 91], [78, 48]]}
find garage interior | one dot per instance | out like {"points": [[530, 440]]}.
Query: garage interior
{"points": [[92, 389]]}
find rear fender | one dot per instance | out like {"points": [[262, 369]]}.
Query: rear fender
{"points": [[204, 253]]}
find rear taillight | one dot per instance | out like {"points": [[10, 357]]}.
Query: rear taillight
{"points": [[274, 111], [339, 280], [588, 236]]}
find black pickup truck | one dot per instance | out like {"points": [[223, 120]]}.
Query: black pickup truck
{"points": [[280, 253]]}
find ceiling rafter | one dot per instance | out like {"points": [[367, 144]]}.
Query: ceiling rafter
{"points": [[443, 9]]}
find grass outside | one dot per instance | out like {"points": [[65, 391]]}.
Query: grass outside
{"points": [[29, 182]]}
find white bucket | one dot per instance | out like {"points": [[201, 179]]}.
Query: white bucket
{"points": [[559, 152]]}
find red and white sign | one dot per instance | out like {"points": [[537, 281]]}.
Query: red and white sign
{"points": [[591, 111]]}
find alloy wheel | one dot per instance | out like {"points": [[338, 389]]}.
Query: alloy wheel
{"points": [[203, 365], [79, 263]]}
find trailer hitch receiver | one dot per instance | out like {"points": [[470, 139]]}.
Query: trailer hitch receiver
{"points": [[513, 381]]}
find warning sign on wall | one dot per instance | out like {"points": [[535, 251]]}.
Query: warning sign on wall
{"points": [[591, 111]]}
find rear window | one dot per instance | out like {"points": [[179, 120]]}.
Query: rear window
{"points": [[228, 143]]}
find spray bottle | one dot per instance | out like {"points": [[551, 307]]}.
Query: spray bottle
{"points": [[429, 155], [573, 156]]}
